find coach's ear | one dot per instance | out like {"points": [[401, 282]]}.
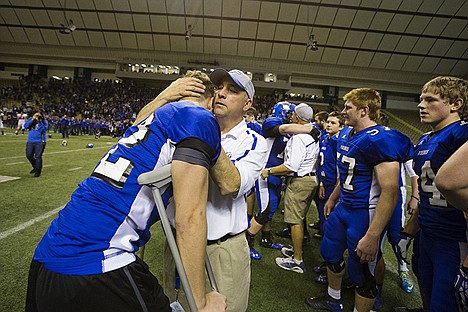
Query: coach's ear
{"points": [[247, 105]]}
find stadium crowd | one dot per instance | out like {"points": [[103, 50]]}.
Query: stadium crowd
{"points": [[348, 162]]}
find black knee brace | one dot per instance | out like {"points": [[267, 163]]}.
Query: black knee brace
{"points": [[263, 217], [369, 286], [337, 268]]}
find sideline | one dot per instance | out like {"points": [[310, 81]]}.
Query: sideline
{"points": [[27, 224]]}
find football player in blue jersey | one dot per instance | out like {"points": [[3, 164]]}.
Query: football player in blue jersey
{"points": [[443, 238], [326, 171], [86, 261], [277, 131], [268, 191], [368, 166]]}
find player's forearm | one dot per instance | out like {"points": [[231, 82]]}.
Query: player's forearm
{"points": [[226, 175], [190, 184], [294, 129]]}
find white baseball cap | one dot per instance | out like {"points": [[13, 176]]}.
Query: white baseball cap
{"points": [[304, 111], [238, 76]]}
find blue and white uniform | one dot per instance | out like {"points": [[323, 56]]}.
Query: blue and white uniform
{"points": [[326, 172], [443, 240], [109, 215], [269, 190], [399, 215], [358, 154]]}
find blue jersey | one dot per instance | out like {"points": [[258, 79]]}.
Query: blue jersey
{"points": [[109, 214], [255, 126], [276, 145], [357, 155], [326, 171], [437, 216]]}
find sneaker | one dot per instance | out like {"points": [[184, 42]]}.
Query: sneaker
{"points": [[317, 235], [406, 284], [33, 170], [37, 173], [322, 279], [286, 233], [320, 269], [378, 300], [325, 302], [255, 255], [315, 225], [268, 243], [291, 265], [288, 252]]}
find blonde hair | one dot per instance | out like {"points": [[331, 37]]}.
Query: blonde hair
{"points": [[209, 86], [366, 97], [450, 89]]}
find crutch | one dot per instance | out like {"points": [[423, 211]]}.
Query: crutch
{"points": [[157, 179]]}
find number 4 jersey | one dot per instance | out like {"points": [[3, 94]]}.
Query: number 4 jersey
{"points": [[358, 154], [437, 216], [109, 214]]}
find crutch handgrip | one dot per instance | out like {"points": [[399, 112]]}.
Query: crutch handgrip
{"points": [[157, 178]]}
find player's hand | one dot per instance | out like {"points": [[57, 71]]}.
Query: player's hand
{"points": [[328, 208], [183, 87], [321, 193], [403, 246], [367, 247], [214, 301], [461, 289], [412, 205], [264, 174]]}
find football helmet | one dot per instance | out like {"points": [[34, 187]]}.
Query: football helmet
{"points": [[283, 110]]}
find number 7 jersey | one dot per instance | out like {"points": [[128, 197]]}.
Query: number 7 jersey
{"points": [[358, 154], [437, 216]]}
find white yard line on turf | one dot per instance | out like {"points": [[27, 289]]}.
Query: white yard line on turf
{"points": [[59, 152], [15, 163], [28, 223], [73, 169]]}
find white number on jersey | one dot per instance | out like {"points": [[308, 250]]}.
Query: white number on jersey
{"points": [[116, 173], [427, 185], [351, 164]]}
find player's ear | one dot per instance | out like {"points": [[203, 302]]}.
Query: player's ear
{"points": [[457, 105], [247, 104]]}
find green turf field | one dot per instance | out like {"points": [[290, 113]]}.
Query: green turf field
{"points": [[29, 204]]}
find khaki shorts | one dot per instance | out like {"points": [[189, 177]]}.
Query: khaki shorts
{"points": [[298, 197], [230, 261]]}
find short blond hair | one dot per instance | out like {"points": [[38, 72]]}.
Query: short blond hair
{"points": [[209, 86], [450, 89], [366, 97]]}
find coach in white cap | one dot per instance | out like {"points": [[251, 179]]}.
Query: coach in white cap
{"points": [[227, 213], [300, 157]]}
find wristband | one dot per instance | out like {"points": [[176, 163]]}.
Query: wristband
{"points": [[415, 197]]}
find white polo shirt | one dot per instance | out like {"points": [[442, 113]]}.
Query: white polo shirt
{"points": [[301, 154], [248, 151]]}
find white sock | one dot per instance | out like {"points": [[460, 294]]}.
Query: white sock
{"points": [[403, 267], [297, 261], [335, 294], [355, 310]]}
